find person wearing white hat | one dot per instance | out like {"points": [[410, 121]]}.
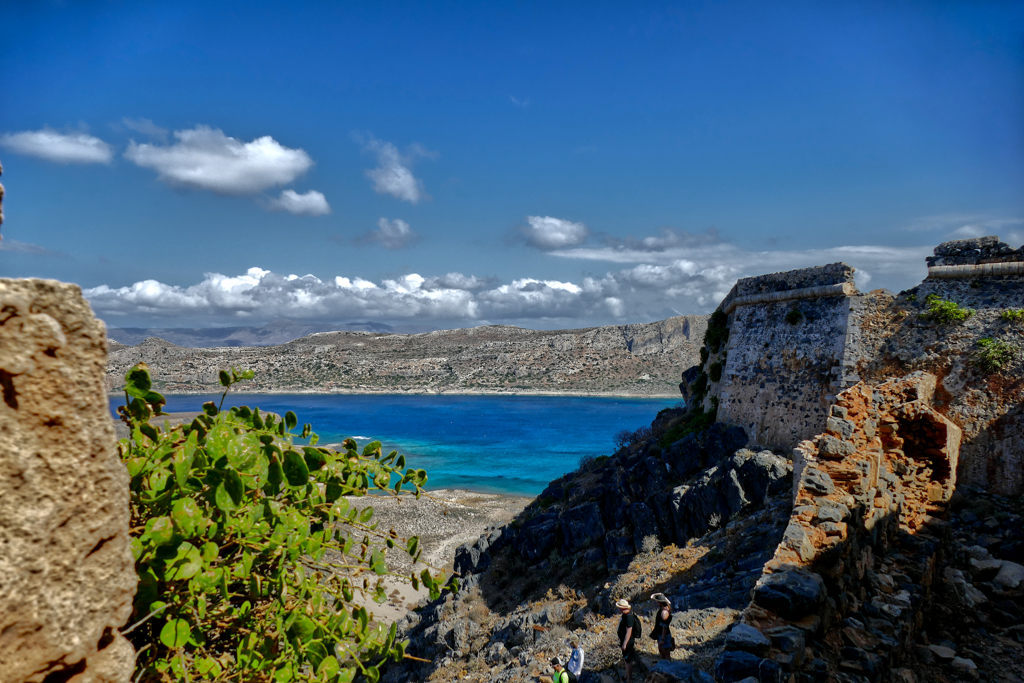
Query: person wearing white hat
{"points": [[629, 629], [662, 631]]}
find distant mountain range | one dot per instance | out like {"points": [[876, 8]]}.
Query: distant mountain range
{"points": [[279, 331], [632, 360]]}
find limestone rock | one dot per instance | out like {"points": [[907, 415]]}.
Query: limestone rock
{"points": [[67, 568], [1010, 576], [747, 638], [791, 594]]}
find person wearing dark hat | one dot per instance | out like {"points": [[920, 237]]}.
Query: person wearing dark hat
{"points": [[561, 675], [661, 631], [629, 628]]}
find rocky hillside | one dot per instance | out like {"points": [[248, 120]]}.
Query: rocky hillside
{"points": [[642, 360]]}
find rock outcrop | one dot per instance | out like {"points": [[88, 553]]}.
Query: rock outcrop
{"points": [[68, 576]]}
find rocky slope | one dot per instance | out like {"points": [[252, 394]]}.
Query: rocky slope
{"points": [[641, 360]]}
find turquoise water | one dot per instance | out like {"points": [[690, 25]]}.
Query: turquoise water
{"points": [[496, 444]]}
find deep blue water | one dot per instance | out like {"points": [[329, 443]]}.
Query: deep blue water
{"points": [[498, 444]]}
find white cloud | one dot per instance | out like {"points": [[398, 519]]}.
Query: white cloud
{"points": [[525, 102], [61, 148], [658, 285], [391, 234], [964, 226], [203, 158], [146, 127], [393, 174], [546, 232], [312, 203]]}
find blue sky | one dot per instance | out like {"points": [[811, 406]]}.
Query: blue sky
{"points": [[433, 165]]}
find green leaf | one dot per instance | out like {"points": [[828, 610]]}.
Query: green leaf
{"points": [[182, 459], [366, 514], [275, 474], [210, 551], [228, 494], [290, 420], [175, 633], [137, 381], [187, 517], [303, 628], [186, 563], [159, 531], [295, 469], [315, 653], [210, 408], [414, 547], [225, 378], [314, 458], [328, 669]]}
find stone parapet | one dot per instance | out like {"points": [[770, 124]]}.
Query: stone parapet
{"points": [[979, 250]]}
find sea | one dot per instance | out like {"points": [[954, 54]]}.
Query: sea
{"points": [[493, 444]]}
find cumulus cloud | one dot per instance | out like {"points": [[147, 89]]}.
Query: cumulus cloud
{"points": [[546, 232], [657, 285], [393, 174], [963, 226], [61, 148], [311, 203], [146, 127], [666, 239], [391, 234], [204, 158]]}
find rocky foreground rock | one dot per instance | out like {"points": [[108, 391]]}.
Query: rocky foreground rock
{"points": [[642, 360]]}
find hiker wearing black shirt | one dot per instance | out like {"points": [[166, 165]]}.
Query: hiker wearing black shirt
{"points": [[629, 629], [662, 631]]}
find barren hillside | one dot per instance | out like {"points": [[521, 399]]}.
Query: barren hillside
{"points": [[643, 360]]}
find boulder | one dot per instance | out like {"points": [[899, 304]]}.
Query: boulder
{"points": [[736, 665], [679, 672], [644, 523], [582, 527], [1010, 575], [749, 639], [68, 572], [817, 482], [538, 536], [469, 559], [791, 593]]}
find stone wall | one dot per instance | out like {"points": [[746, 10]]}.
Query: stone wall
{"points": [[797, 339], [858, 558], [67, 576], [784, 358]]}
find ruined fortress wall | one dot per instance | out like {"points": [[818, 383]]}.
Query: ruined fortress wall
{"points": [[780, 376], [787, 354]]}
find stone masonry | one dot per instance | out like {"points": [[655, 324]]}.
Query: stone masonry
{"points": [[67, 577], [857, 560]]}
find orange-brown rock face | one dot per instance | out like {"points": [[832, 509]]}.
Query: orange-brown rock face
{"points": [[67, 577]]}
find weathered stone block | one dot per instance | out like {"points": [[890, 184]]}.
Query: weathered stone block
{"points": [[67, 568]]}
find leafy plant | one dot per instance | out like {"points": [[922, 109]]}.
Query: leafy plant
{"points": [[696, 421], [715, 371], [249, 553], [625, 438], [942, 311], [794, 316], [994, 354], [704, 354], [1012, 315], [717, 332]]}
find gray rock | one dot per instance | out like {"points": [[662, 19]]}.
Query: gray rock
{"points": [[817, 482], [942, 653], [792, 594], [582, 527], [844, 428], [747, 638], [966, 668], [984, 570], [618, 543], [644, 523], [834, 449], [736, 665], [678, 671], [830, 511], [1010, 576]]}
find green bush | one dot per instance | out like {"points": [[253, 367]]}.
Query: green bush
{"points": [[703, 355], [794, 316], [248, 552], [1012, 315], [942, 311], [994, 354], [717, 332], [697, 421], [715, 371]]}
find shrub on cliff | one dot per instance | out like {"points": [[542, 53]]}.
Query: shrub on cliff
{"points": [[249, 555], [994, 354], [943, 312]]}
